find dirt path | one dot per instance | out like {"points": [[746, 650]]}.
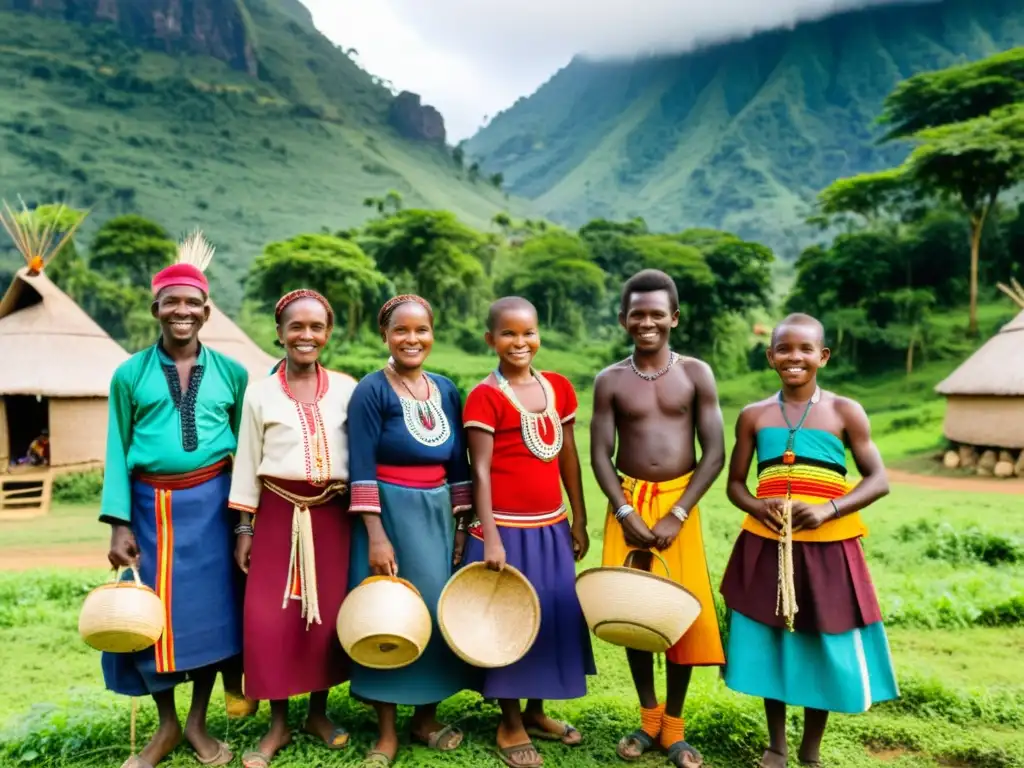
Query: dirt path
{"points": [[66, 556], [1010, 486]]}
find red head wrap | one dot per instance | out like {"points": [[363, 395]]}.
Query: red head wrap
{"points": [[391, 304], [302, 293], [180, 274]]}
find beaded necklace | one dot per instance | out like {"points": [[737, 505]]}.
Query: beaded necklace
{"points": [[534, 426], [673, 358], [424, 419], [788, 456]]}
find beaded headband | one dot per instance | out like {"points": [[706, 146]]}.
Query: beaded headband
{"points": [[392, 304], [302, 293]]}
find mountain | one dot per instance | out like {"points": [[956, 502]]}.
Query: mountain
{"points": [[236, 116], [740, 135]]}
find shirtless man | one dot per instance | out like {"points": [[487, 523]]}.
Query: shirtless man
{"points": [[655, 402]]}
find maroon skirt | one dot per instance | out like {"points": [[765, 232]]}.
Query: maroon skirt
{"points": [[834, 592], [283, 658]]}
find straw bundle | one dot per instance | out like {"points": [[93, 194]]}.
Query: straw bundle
{"points": [[37, 243], [1014, 291], [121, 617], [384, 623], [489, 618], [636, 609]]}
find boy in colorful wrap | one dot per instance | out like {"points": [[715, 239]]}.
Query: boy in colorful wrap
{"points": [[175, 409], [809, 633], [655, 402]]}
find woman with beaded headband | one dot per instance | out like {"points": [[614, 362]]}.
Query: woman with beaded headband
{"points": [[522, 447], [290, 489], [410, 480]]}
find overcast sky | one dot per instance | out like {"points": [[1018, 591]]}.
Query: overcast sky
{"points": [[474, 58]]}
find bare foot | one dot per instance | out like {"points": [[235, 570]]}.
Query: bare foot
{"points": [[556, 729], [772, 759], [166, 738], [276, 739], [320, 725]]}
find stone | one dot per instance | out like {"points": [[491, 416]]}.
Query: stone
{"points": [[414, 120], [1005, 456], [1003, 469], [968, 457], [951, 460], [1018, 468], [988, 460], [983, 471]]}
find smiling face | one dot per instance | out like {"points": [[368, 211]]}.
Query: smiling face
{"points": [[409, 335], [182, 310], [304, 330], [797, 352], [649, 319], [515, 337]]}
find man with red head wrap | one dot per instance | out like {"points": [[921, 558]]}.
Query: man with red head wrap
{"points": [[175, 409]]}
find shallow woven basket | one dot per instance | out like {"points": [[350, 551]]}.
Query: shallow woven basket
{"points": [[636, 609], [384, 623], [121, 617], [489, 618]]}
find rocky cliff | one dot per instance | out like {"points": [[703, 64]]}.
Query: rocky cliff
{"points": [[217, 28], [415, 120]]}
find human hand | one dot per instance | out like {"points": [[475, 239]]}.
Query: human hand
{"points": [[810, 516], [636, 532], [666, 530], [460, 547], [123, 549], [769, 512], [494, 552], [580, 541], [382, 557], [243, 546]]}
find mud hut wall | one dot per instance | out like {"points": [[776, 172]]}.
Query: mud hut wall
{"points": [[985, 421], [78, 430]]}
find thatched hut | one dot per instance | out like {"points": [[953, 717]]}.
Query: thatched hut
{"points": [[56, 376], [221, 334], [985, 395]]}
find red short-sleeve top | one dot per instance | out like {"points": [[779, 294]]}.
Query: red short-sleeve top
{"points": [[525, 490]]}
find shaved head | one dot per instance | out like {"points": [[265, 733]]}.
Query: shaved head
{"points": [[800, 319], [507, 304]]}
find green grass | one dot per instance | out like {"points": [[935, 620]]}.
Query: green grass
{"points": [[956, 629]]}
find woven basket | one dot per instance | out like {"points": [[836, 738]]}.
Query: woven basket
{"points": [[636, 609], [489, 618], [384, 623], [121, 617]]}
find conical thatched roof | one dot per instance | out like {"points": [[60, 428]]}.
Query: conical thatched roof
{"points": [[220, 333], [995, 369], [49, 345]]}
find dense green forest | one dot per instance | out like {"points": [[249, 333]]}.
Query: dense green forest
{"points": [[738, 136]]}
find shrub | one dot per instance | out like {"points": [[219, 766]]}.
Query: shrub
{"points": [[78, 487]]}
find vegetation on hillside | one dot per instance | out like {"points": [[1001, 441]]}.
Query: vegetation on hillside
{"points": [[97, 120], [738, 136]]}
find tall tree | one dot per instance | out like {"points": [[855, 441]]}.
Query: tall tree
{"points": [[131, 249], [973, 163]]}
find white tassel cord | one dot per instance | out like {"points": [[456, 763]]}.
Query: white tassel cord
{"points": [[785, 604]]}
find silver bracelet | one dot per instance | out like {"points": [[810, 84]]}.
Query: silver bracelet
{"points": [[243, 528], [623, 512], [680, 514]]}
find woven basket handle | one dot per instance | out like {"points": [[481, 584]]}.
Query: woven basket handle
{"points": [[629, 559], [135, 574]]}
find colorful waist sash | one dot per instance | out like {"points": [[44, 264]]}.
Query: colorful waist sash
{"points": [[814, 482], [184, 480]]}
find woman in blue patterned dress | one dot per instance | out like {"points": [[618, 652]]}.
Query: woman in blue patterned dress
{"points": [[409, 476]]}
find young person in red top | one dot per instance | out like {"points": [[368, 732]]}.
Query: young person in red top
{"points": [[522, 450]]}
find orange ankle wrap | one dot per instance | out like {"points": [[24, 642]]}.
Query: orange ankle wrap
{"points": [[650, 720], [672, 730]]}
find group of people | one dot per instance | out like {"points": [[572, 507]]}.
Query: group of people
{"points": [[252, 508]]}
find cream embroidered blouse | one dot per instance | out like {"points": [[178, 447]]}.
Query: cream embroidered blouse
{"points": [[288, 440]]}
